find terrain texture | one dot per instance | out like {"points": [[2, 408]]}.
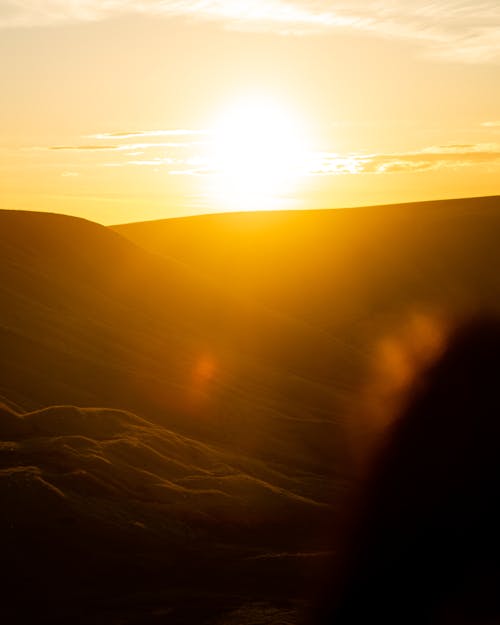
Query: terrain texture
{"points": [[179, 400]]}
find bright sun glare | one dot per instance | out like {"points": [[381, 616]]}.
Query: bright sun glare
{"points": [[258, 154]]}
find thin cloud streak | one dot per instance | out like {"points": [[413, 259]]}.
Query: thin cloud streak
{"points": [[454, 30], [123, 148], [91, 148], [134, 134]]}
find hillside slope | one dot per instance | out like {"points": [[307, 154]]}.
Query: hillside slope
{"points": [[212, 439], [91, 319], [174, 397], [350, 272]]}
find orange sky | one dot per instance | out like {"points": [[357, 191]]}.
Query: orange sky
{"points": [[112, 110]]}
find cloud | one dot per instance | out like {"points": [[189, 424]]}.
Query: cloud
{"points": [[134, 134], [434, 157], [456, 30], [123, 153], [333, 164], [18, 13], [123, 148], [83, 147], [183, 172], [200, 161], [152, 162]]}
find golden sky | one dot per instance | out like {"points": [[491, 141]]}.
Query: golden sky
{"points": [[123, 110]]}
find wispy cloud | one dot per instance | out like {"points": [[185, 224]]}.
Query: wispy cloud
{"points": [[134, 134], [123, 148], [458, 30], [197, 157], [92, 148], [146, 162], [434, 157], [332, 164]]}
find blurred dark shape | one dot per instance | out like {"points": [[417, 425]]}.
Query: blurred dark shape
{"points": [[423, 546]]}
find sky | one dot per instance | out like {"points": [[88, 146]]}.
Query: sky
{"points": [[127, 110]]}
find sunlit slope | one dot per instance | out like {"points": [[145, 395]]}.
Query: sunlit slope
{"points": [[88, 318], [352, 272]]}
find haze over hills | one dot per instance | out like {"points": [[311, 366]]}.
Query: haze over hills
{"points": [[176, 396]]}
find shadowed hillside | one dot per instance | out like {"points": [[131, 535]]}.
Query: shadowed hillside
{"points": [[227, 461], [227, 356], [100, 507], [90, 319]]}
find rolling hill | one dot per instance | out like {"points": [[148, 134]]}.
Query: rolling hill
{"points": [[342, 268], [89, 318], [178, 398], [153, 425]]}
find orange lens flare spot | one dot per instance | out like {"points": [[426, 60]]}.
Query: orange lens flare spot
{"points": [[399, 359], [205, 368], [200, 387]]}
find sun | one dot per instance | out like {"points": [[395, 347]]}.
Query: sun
{"points": [[258, 152]]}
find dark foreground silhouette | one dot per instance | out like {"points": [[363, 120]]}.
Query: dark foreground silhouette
{"points": [[424, 545]]}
